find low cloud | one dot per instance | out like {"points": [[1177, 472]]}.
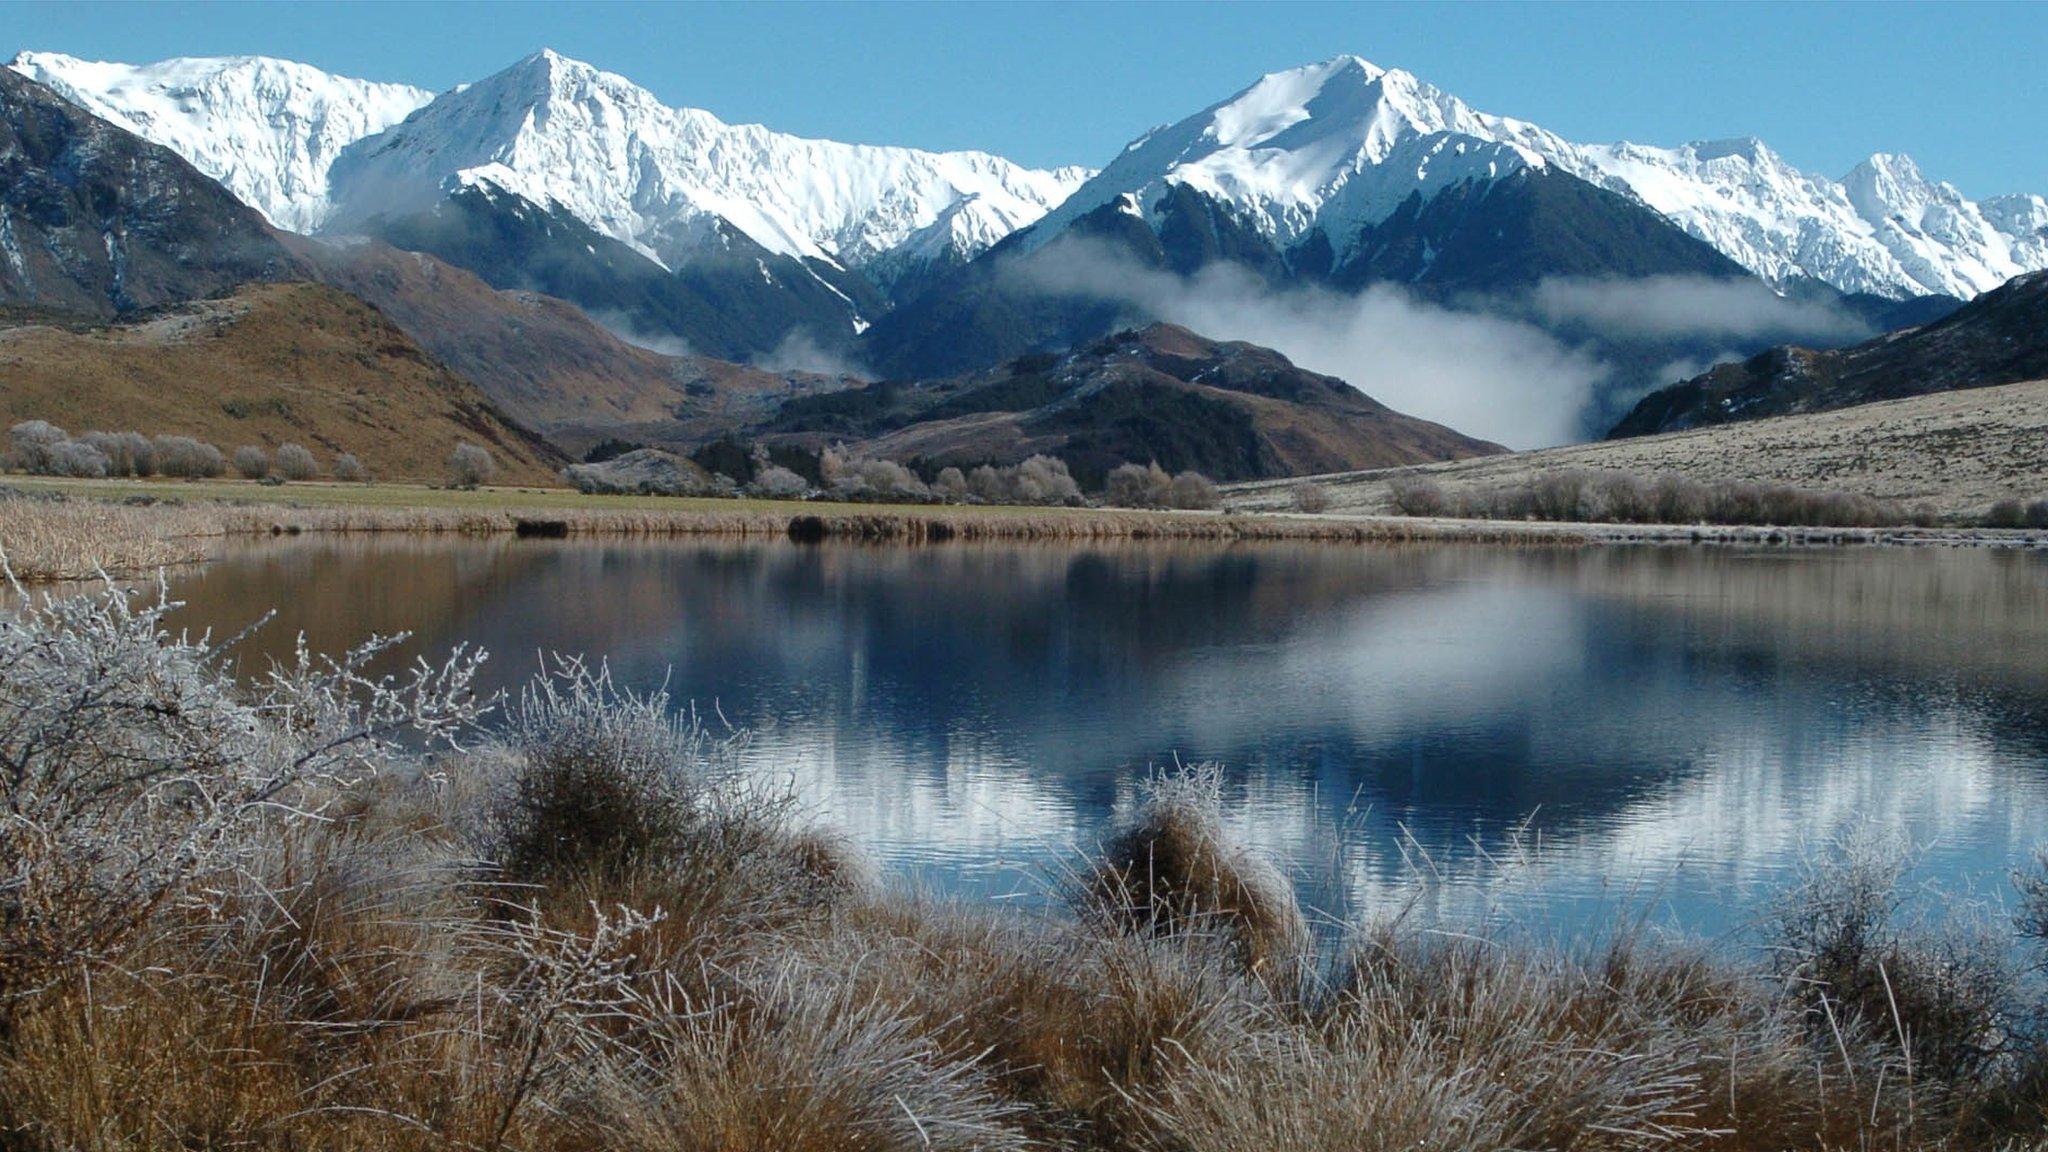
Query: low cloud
{"points": [[1688, 308], [1497, 377], [800, 352], [625, 328]]}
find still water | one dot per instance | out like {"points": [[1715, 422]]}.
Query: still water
{"points": [[1556, 737]]}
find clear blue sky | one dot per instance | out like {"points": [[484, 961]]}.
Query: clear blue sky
{"points": [[1963, 88]]}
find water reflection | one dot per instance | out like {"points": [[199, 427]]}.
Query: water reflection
{"points": [[1669, 726]]}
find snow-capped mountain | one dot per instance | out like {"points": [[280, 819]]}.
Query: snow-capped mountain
{"points": [[1339, 147], [266, 129], [563, 134], [1330, 147], [1884, 228]]}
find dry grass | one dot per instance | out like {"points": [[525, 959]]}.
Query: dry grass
{"points": [[1958, 451], [588, 929], [74, 539], [55, 530]]}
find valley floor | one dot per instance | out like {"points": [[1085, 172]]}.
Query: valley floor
{"points": [[58, 529], [1956, 451]]}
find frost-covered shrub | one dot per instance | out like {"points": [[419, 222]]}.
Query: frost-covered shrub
{"points": [[950, 485], [1170, 868], [849, 477], [189, 459], [1138, 486], [1415, 497], [252, 462], [75, 458], [350, 470], [470, 465], [127, 453], [607, 778], [295, 462], [134, 763], [1042, 480], [29, 444], [1943, 996], [1192, 490], [774, 482]]}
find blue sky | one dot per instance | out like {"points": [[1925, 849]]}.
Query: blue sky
{"points": [[1960, 87]]}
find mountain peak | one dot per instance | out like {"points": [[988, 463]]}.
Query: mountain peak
{"points": [[265, 128], [1890, 166], [1747, 148]]}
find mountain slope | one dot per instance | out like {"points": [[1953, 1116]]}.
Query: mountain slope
{"points": [[1340, 146], [266, 129], [1233, 411], [95, 220], [1999, 338], [1883, 229], [548, 365], [562, 133], [1341, 175], [268, 364]]}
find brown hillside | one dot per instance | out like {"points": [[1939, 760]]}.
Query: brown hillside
{"points": [[1231, 410], [547, 364], [269, 364]]}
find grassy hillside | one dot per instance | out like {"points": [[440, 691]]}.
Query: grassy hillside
{"points": [[267, 365], [1956, 451]]}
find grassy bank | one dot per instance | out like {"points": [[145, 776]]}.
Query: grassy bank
{"points": [[262, 915], [67, 529]]}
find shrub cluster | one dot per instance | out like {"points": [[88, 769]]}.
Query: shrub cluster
{"points": [[1150, 486], [1595, 496], [41, 448], [2011, 513], [1037, 480], [471, 466], [324, 908]]}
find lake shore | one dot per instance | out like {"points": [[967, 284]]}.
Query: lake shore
{"points": [[69, 529]]}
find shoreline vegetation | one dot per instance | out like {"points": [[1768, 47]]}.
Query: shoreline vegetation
{"points": [[322, 907], [69, 529]]}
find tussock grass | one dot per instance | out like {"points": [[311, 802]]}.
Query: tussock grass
{"points": [[585, 928]]}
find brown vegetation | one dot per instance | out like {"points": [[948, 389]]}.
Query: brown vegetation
{"points": [[591, 930], [1624, 498], [268, 365]]}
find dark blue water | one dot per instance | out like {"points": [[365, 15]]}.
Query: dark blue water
{"points": [[1551, 736]]}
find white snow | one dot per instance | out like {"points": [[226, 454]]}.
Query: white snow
{"points": [[1341, 144], [562, 133], [1884, 228], [266, 129], [1333, 146]]}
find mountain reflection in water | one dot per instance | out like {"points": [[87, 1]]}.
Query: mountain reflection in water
{"points": [[1550, 734]]}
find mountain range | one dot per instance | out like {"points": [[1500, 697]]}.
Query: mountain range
{"points": [[649, 248]]}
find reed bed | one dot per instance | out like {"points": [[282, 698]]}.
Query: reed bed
{"points": [[50, 535], [45, 539], [330, 910]]}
